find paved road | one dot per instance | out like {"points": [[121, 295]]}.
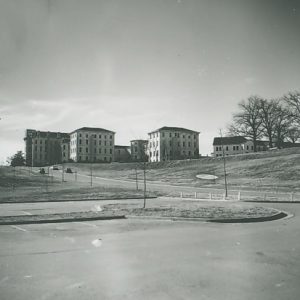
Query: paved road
{"points": [[38, 208], [152, 260]]}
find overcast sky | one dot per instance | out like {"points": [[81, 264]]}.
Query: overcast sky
{"points": [[135, 65]]}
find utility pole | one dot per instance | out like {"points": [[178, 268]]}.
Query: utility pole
{"points": [[136, 179], [14, 181], [46, 182], [63, 173], [48, 175], [91, 174], [224, 164], [144, 185]]}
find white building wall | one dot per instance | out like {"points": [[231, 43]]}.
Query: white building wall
{"points": [[228, 149], [172, 144], [246, 147]]}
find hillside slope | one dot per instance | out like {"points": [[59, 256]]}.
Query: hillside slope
{"points": [[278, 169]]}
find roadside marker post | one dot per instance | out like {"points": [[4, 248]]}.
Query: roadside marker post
{"points": [[195, 195]]}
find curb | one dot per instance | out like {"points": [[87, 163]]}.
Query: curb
{"points": [[277, 216], [65, 220], [271, 201], [75, 200]]}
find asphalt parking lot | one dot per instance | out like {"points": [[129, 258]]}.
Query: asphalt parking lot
{"points": [[152, 259]]}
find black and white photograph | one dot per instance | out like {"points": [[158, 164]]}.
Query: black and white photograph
{"points": [[149, 149]]}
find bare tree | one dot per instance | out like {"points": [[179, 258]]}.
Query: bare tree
{"points": [[268, 111], [248, 121], [283, 124], [292, 100], [293, 134]]}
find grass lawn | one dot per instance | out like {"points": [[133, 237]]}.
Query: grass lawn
{"points": [[271, 170], [21, 185]]}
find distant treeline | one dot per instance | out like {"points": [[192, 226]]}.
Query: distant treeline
{"points": [[275, 120]]}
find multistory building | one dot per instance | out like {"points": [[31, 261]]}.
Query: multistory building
{"points": [[89, 144], [45, 147], [172, 143]]}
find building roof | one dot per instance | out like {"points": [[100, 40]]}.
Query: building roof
{"points": [[46, 134], [174, 129], [93, 129], [229, 140], [140, 140]]}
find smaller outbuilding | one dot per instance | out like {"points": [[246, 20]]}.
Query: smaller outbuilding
{"points": [[233, 145], [122, 153]]}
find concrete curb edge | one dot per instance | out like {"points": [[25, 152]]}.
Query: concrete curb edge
{"points": [[65, 220], [277, 216]]}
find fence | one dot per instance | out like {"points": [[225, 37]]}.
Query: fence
{"points": [[243, 196]]}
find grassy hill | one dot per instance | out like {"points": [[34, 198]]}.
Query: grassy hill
{"points": [[23, 184], [278, 169]]}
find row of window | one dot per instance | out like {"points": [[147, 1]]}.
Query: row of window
{"points": [[189, 144], [45, 149], [176, 134], [95, 143], [170, 134], [156, 153], [41, 141], [234, 148], [87, 150], [86, 158], [93, 135]]}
